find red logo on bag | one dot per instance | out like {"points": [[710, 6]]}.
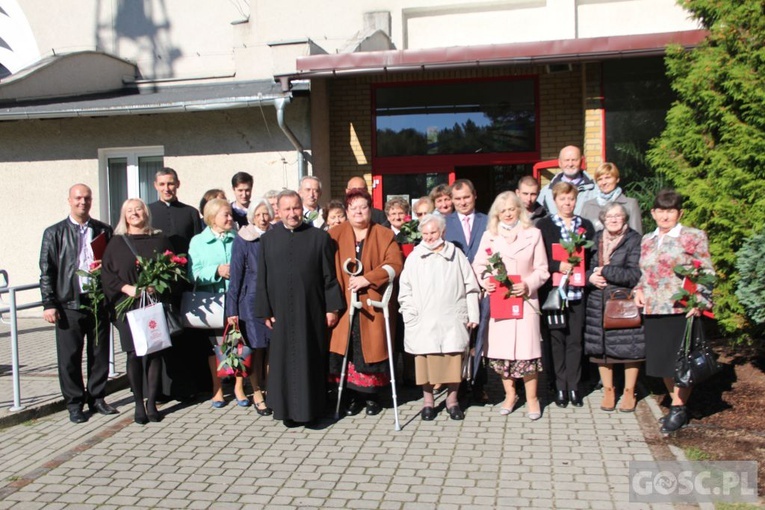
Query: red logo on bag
{"points": [[152, 324]]}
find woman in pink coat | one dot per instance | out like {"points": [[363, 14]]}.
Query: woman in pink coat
{"points": [[513, 346]]}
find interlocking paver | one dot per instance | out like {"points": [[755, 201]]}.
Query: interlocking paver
{"points": [[201, 458]]}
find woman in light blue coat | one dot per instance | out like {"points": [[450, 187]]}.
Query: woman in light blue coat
{"points": [[209, 271]]}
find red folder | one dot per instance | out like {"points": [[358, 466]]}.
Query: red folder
{"points": [[502, 307], [98, 245], [576, 279]]}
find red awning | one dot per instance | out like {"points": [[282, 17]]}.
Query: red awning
{"points": [[544, 52]]}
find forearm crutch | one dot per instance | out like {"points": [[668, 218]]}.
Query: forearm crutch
{"points": [[352, 307], [383, 304]]}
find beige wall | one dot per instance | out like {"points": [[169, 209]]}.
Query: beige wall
{"points": [[42, 159], [196, 38]]}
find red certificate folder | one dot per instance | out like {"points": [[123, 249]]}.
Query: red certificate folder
{"points": [[98, 245], [502, 307], [576, 279]]}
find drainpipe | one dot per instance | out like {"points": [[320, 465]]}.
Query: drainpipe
{"points": [[280, 103]]}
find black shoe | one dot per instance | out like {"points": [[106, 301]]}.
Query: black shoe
{"points": [[576, 398], [153, 414], [290, 424], [373, 408], [77, 416], [561, 400], [455, 413], [428, 413], [675, 420], [140, 415], [354, 408], [262, 409], [100, 406]]}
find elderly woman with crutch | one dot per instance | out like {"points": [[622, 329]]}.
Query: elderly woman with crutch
{"points": [[360, 335], [438, 295]]}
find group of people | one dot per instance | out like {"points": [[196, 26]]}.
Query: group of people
{"points": [[303, 285]]}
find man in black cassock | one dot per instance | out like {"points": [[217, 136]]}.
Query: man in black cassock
{"points": [[298, 295], [182, 364]]}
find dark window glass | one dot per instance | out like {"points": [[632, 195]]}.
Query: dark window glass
{"points": [[637, 97], [456, 118]]}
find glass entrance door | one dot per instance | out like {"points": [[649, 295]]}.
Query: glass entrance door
{"points": [[409, 186]]}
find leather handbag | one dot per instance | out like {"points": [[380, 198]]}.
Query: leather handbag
{"points": [[620, 311], [202, 310], [173, 319], [695, 360], [553, 309]]}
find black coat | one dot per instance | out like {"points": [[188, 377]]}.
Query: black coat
{"points": [[622, 272]]}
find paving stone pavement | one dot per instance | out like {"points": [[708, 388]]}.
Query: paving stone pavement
{"points": [[199, 458]]}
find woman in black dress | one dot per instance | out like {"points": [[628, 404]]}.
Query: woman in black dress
{"points": [[119, 275]]}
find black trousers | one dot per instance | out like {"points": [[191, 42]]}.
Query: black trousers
{"points": [[566, 347], [75, 332]]}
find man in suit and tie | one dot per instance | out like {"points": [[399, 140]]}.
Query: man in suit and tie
{"points": [[464, 228]]}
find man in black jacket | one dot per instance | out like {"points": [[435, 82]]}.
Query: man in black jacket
{"points": [[66, 247]]}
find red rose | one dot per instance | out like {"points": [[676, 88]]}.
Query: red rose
{"points": [[696, 263], [488, 251], [407, 218], [168, 253], [581, 231], [94, 265]]}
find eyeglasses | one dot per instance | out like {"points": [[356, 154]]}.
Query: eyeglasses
{"points": [[614, 217], [419, 214]]}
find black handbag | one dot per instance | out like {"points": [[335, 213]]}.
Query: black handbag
{"points": [[173, 319], [695, 361], [553, 310]]}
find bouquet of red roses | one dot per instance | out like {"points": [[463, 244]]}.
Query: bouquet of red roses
{"points": [[158, 273]]}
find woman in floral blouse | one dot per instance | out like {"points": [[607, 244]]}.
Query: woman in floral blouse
{"points": [[670, 245]]}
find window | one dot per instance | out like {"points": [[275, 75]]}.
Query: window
{"points": [[472, 117], [128, 173]]}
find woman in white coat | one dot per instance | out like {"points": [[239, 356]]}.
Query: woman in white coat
{"points": [[514, 345], [438, 294]]}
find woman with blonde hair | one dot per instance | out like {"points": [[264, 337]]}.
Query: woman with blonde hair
{"points": [[513, 346], [134, 236], [606, 178], [210, 270]]}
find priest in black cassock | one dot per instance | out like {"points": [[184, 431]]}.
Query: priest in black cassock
{"points": [[299, 297], [187, 359]]}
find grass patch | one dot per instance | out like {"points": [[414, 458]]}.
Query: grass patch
{"points": [[697, 454]]}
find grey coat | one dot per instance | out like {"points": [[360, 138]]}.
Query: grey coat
{"points": [[622, 272]]}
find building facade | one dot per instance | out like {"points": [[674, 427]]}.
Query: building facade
{"points": [[407, 94]]}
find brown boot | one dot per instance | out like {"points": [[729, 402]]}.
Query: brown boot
{"points": [[628, 402], [609, 399]]}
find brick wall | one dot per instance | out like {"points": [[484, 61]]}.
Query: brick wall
{"points": [[565, 114]]}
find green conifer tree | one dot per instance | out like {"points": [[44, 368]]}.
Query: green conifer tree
{"points": [[713, 147]]}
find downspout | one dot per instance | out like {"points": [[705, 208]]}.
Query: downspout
{"points": [[280, 104]]}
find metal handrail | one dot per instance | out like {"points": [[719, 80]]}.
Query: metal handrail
{"points": [[12, 309]]}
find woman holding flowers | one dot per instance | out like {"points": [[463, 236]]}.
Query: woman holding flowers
{"points": [[670, 247], [512, 249], [134, 236], [209, 271], [567, 230], [240, 300]]}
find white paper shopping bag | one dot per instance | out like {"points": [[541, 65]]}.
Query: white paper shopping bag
{"points": [[149, 329]]}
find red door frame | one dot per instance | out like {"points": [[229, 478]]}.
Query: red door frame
{"points": [[448, 162]]}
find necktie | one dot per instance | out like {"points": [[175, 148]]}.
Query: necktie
{"points": [[466, 228]]}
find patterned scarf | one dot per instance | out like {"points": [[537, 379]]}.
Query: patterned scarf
{"points": [[574, 293], [604, 198], [608, 243]]}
